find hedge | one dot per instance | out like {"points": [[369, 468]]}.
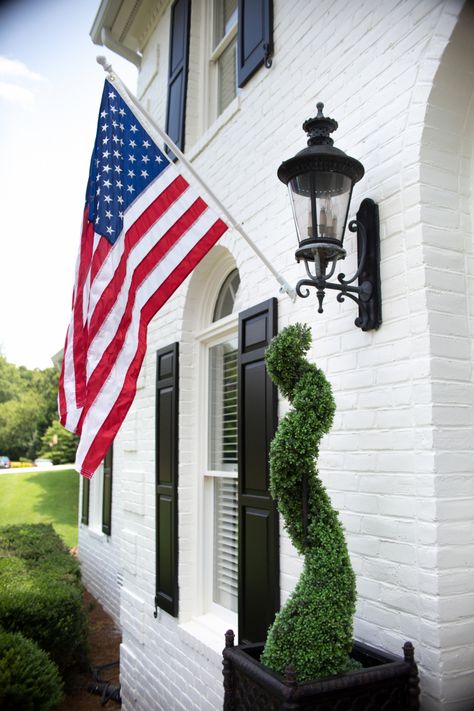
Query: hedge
{"points": [[41, 594], [29, 680], [33, 541]]}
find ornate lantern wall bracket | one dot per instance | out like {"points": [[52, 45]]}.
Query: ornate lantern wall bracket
{"points": [[320, 179]]}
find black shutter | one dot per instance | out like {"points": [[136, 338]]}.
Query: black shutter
{"points": [[107, 493], [167, 479], [255, 36], [178, 71], [259, 570], [86, 485]]}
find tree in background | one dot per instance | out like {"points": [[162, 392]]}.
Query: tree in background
{"points": [[58, 444], [28, 400], [10, 380], [19, 426]]}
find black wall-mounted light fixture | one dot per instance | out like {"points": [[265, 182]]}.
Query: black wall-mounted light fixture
{"points": [[320, 180]]}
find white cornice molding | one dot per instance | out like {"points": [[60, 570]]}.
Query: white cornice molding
{"points": [[129, 23], [150, 20]]}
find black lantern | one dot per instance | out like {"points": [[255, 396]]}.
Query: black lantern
{"points": [[320, 180]]}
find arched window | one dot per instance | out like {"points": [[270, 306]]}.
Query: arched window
{"points": [[222, 458]]}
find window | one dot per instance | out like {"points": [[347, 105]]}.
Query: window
{"points": [[237, 39], [222, 454], [85, 501], [220, 479], [224, 54], [96, 497], [226, 298], [107, 492], [234, 544]]}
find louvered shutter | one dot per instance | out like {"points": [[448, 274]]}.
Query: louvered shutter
{"points": [[178, 71], [107, 493], [259, 577], [167, 479], [255, 36], [86, 485]]}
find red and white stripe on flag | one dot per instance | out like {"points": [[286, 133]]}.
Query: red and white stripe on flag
{"points": [[144, 231]]}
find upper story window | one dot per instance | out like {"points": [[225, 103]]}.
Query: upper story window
{"points": [[218, 45], [224, 54]]}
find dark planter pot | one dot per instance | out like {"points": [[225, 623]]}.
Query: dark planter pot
{"points": [[386, 683]]}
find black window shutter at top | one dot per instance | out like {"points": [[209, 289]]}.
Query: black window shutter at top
{"points": [[107, 493], [178, 71], [167, 479], [86, 485], [259, 572], [255, 36]]}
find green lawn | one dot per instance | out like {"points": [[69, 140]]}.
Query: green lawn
{"points": [[42, 497]]}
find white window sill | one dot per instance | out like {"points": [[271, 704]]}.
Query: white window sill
{"points": [[209, 631], [96, 533], [216, 126]]}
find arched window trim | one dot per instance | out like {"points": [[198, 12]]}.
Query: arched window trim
{"points": [[214, 280], [230, 284]]}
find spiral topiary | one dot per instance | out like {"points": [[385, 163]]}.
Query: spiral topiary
{"points": [[313, 631]]}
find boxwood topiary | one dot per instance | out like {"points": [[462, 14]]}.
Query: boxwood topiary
{"points": [[29, 680], [313, 631]]}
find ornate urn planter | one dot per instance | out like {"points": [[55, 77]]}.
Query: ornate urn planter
{"points": [[385, 683]]}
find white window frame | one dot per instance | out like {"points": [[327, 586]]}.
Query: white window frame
{"points": [[215, 334], [210, 57], [96, 493]]}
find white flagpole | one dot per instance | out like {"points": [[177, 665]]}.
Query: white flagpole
{"points": [[284, 286]]}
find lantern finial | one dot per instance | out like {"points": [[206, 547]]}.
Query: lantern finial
{"points": [[319, 128]]}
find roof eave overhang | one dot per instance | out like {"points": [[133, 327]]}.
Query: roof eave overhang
{"points": [[110, 28], [124, 26]]}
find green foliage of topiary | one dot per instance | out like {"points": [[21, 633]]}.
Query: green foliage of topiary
{"points": [[41, 592], [29, 680], [313, 631]]}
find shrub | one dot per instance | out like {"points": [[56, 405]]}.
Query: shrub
{"points": [[29, 680], [30, 540], [41, 592], [313, 631]]}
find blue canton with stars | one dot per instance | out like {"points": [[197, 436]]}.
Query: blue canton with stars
{"points": [[124, 162]]}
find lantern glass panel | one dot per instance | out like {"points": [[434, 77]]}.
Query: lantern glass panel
{"points": [[320, 202]]}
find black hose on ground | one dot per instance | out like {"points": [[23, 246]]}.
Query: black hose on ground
{"points": [[103, 688]]}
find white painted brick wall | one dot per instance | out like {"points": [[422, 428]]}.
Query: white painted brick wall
{"points": [[398, 462]]}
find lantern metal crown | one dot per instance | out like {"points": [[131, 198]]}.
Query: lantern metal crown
{"points": [[320, 180]]}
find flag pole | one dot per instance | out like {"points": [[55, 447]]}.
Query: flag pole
{"points": [[284, 286]]}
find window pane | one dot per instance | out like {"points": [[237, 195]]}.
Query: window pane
{"points": [[226, 298], [223, 406], [227, 76], [225, 14], [225, 542]]}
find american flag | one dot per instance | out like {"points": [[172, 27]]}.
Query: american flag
{"points": [[144, 230]]}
